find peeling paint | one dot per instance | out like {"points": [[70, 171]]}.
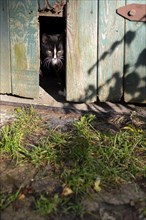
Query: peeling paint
{"points": [[20, 56]]}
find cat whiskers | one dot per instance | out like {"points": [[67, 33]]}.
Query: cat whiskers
{"points": [[61, 58], [60, 64], [46, 62]]}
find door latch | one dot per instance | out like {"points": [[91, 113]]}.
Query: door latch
{"points": [[133, 12]]}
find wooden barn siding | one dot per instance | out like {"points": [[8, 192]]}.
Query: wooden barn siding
{"points": [[135, 60], [24, 48], [5, 73], [120, 46], [116, 57], [110, 51], [81, 50]]}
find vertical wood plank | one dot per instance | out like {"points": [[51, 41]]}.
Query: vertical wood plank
{"points": [[81, 50], [110, 51], [5, 73], [24, 48], [135, 60]]}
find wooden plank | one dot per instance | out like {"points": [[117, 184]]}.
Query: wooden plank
{"points": [[135, 60], [110, 51], [5, 73], [42, 3], [24, 35], [81, 50]]}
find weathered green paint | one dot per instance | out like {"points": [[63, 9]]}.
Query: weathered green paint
{"points": [[110, 51], [20, 56], [42, 3], [5, 71], [81, 50], [135, 60], [24, 48], [107, 41]]}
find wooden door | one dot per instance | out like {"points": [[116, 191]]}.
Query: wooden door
{"points": [[81, 50], [110, 51], [19, 48], [135, 60], [5, 72], [24, 48], [121, 55], [105, 53]]}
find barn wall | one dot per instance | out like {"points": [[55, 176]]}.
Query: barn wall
{"points": [[105, 52], [135, 60], [110, 51], [24, 38], [5, 70], [82, 50]]}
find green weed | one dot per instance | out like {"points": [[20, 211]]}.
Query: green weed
{"points": [[12, 135], [46, 205], [6, 200], [81, 155]]}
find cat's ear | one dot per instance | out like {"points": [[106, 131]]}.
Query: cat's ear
{"points": [[45, 38], [61, 36]]}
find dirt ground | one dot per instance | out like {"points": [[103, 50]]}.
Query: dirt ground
{"points": [[123, 203], [50, 98]]}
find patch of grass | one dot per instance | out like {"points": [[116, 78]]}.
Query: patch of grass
{"points": [[47, 205], [88, 155], [72, 205], [7, 199], [12, 135], [80, 156], [51, 205], [109, 156]]}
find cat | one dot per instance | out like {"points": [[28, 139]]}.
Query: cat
{"points": [[53, 57]]}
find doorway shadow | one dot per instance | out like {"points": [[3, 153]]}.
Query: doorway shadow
{"points": [[48, 81], [50, 85]]}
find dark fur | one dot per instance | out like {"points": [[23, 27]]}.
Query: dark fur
{"points": [[48, 43]]}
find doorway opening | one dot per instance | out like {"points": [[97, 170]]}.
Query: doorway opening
{"points": [[53, 56]]}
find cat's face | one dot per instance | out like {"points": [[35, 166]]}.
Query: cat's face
{"points": [[52, 51]]}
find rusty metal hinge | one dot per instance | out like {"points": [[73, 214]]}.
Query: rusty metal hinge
{"points": [[133, 12]]}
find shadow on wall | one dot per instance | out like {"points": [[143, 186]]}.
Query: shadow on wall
{"points": [[132, 83], [132, 77]]}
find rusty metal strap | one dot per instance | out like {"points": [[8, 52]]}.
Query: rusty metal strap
{"points": [[133, 12], [57, 7]]}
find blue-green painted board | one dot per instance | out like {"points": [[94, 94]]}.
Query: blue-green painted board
{"points": [[110, 51], [5, 72], [107, 41], [42, 3], [82, 50], [135, 60], [24, 37]]}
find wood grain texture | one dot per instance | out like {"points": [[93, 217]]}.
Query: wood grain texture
{"points": [[42, 3], [24, 48], [135, 60], [110, 51], [5, 72], [82, 50]]}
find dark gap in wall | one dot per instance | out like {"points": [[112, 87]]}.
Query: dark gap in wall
{"points": [[48, 79]]}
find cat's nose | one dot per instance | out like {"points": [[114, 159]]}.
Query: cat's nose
{"points": [[54, 61]]}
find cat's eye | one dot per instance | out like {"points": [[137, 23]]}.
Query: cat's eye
{"points": [[59, 52], [49, 52]]}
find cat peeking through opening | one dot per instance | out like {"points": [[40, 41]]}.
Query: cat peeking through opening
{"points": [[53, 58]]}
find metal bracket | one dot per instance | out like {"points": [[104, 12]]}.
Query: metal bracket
{"points": [[133, 12]]}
